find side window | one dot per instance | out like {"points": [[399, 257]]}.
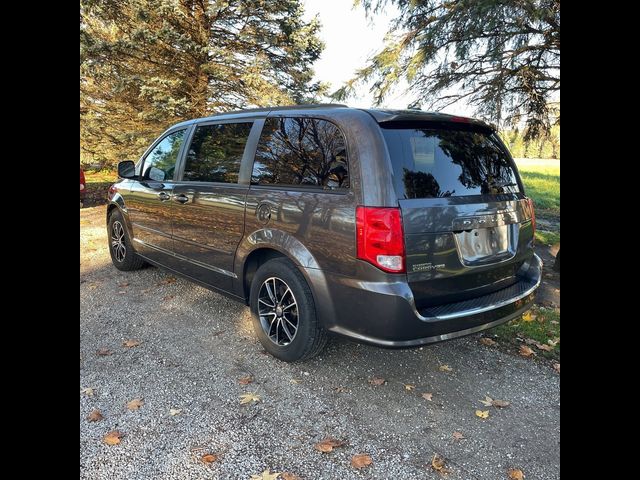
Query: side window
{"points": [[160, 163], [301, 151], [215, 153]]}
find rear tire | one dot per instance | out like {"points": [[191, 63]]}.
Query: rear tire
{"points": [[123, 256], [283, 312]]}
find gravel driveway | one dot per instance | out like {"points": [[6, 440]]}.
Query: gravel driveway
{"points": [[194, 347]]}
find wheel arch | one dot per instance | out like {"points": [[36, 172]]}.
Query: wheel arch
{"points": [[117, 203], [265, 244]]}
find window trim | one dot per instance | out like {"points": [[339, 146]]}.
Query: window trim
{"points": [[300, 187], [179, 177], [143, 158]]}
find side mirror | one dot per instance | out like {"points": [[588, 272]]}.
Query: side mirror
{"points": [[126, 169]]}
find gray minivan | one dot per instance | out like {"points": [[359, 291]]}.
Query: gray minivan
{"points": [[395, 228]]}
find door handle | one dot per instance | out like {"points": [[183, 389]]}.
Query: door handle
{"points": [[163, 196], [183, 198]]}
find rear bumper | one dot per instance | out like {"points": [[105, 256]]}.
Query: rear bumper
{"points": [[384, 313]]}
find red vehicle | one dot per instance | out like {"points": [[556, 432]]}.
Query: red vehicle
{"points": [[83, 187]]}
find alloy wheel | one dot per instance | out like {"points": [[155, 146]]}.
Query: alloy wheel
{"points": [[278, 311], [118, 246]]}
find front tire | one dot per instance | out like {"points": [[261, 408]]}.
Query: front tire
{"points": [[123, 256], [284, 314]]}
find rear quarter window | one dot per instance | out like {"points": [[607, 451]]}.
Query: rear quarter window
{"points": [[301, 151], [446, 162]]}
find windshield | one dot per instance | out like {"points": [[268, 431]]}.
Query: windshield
{"points": [[443, 162]]}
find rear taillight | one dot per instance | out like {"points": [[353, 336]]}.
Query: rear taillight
{"points": [[380, 238], [533, 217]]}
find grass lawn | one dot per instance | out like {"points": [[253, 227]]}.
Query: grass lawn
{"points": [[542, 183], [539, 326]]}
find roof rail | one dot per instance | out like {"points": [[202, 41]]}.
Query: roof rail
{"points": [[285, 107]]}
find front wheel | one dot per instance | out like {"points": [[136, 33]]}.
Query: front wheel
{"points": [[122, 255], [284, 315]]}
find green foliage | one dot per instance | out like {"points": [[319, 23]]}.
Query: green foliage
{"points": [[500, 56], [145, 64], [543, 328], [545, 237], [546, 146]]}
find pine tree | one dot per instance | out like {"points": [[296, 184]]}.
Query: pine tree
{"points": [[145, 64], [503, 57]]}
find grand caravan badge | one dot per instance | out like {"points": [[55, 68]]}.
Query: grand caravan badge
{"points": [[426, 267]]}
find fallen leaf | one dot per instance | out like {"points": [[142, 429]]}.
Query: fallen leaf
{"points": [[409, 387], [294, 381], [526, 351], [556, 367], [167, 281], [248, 398], [104, 352], [341, 390], [361, 460], [516, 474], [95, 416], [113, 438], [528, 316], [168, 297], [130, 343], [125, 284], [458, 436], [542, 346], [135, 404], [488, 342], [438, 464], [482, 413], [121, 292], [289, 476], [328, 444], [175, 411], [208, 458], [377, 381], [245, 380], [489, 402], [553, 342], [88, 391], [266, 475], [446, 368], [427, 396]]}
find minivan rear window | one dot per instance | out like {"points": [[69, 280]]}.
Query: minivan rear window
{"points": [[448, 162]]}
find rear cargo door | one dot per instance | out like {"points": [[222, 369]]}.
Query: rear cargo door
{"points": [[466, 220]]}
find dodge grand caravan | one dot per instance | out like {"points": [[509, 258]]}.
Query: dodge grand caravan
{"points": [[395, 228]]}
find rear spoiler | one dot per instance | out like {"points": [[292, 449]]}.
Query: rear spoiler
{"points": [[393, 118]]}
